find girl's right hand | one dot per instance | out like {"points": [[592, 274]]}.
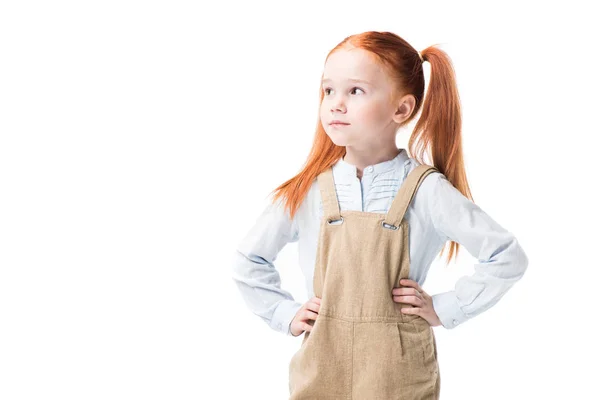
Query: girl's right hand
{"points": [[308, 311]]}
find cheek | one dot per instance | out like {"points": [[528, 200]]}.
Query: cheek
{"points": [[322, 110], [372, 114], [325, 112]]}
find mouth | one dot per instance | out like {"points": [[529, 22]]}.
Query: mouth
{"points": [[338, 123]]}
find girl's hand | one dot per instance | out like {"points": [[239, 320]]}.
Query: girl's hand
{"points": [[307, 312], [415, 295]]}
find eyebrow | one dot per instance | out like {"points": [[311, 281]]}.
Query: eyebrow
{"points": [[350, 79]]}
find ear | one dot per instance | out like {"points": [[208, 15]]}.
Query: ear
{"points": [[405, 108]]}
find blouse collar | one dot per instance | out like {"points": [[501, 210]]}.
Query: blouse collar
{"points": [[345, 168]]}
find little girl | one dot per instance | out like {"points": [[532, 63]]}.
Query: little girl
{"points": [[369, 220]]}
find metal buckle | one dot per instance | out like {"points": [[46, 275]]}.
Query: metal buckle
{"points": [[388, 226], [335, 222]]}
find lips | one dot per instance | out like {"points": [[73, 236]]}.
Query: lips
{"points": [[338, 123]]}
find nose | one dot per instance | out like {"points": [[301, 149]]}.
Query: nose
{"points": [[337, 104]]}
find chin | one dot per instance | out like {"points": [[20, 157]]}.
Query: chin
{"points": [[337, 138]]}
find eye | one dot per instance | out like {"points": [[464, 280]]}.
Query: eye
{"points": [[356, 87]]}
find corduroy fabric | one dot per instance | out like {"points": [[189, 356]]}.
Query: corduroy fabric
{"points": [[362, 347]]}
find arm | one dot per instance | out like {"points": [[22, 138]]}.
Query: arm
{"points": [[501, 259], [254, 272]]}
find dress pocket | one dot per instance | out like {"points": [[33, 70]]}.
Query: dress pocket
{"points": [[411, 342], [429, 350]]}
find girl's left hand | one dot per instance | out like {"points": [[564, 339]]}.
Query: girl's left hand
{"points": [[415, 295]]}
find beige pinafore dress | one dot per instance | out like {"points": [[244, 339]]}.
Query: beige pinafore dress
{"points": [[361, 346]]}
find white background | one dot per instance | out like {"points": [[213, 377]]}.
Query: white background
{"points": [[139, 142]]}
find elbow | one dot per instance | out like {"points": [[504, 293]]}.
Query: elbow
{"points": [[524, 261], [238, 264], [521, 259], [514, 261]]}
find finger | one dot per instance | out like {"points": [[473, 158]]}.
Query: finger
{"points": [[316, 299], [313, 307], [309, 315], [411, 310], [405, 291], [403, 299], [415, 300], [308, 327], [411, 283]]}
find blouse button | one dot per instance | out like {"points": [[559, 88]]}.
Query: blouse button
{"points": [[455, 322], [369, 169]]}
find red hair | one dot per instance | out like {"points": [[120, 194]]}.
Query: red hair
{"points": [[438, 129]]}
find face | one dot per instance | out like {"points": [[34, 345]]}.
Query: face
{"points": [[364, 105]]}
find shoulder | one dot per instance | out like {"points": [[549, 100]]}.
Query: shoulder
{"points": [[311, 205], [306, 207], [431, 181], [433, 188]]}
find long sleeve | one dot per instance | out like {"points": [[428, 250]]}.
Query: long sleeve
{"points": [[254, 272], [501, 259]]}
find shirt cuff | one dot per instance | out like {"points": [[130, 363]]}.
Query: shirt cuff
{"points": [[448, 309], [284, 315]]}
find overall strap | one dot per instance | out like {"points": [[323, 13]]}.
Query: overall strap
{"points": [[331, 207], [406, 193]]}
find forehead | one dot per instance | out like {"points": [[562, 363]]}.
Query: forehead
{"points": [[354, 63]]}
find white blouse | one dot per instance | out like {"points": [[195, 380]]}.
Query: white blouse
{"points": [[438, 213]]}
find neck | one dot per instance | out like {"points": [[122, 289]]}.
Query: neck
{"points": [[361, 160]]}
